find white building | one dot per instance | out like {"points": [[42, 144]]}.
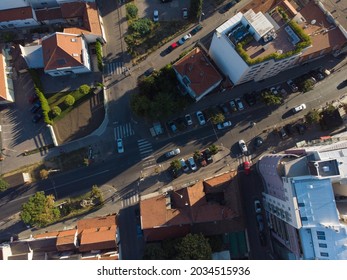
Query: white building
{"points": [[268, 38], [305, 202], [35, 4]]}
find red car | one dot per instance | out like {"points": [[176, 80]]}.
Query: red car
{"points": [[172, 47], [247, 167]]}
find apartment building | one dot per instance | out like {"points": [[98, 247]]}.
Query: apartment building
{"points": [[305, 201]]}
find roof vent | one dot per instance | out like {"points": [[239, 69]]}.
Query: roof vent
{"points": [[313, 21], [326, 168], [75, 54]]}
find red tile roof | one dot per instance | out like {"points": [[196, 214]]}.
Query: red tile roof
{"points": [[72, 9], [98, 222], [62, 50], [16, 14], [47, 14], [200, 71], [67, 240]]}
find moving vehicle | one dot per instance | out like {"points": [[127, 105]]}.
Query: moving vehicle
{"points": [[292, 86], [188, 119], [155, 16], [184, 38], [184, 165], [224, 125], [257, 206], [192, 163], [200, 117], [120, 147], [173, 153], [250, 98], [243, 146], [239, 104], [185, 13], [299, 108], [283, 133]]}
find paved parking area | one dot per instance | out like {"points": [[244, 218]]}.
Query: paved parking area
{"points": [[167, 11], [18, 132]]}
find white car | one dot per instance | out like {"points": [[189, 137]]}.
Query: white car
{"points": [[184, 165], [173, 153], [155, 16], [274, 90], [188, 119], [224, 125], [120, 147], [239, 104], [292, 86], [184, 38], [243, 146], [192, 163], [200, 117], [257, 206], [299, 108]]}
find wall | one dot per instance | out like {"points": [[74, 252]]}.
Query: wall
{"points": [[5, 5]]}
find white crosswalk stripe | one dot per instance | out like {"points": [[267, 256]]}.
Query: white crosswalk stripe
{"points": [[130, 199], [115, 67], [123, 131], [145, 148]]}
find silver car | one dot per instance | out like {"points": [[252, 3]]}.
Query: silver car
{"points": [[200, 117], [243, 146], [173, 153], [192, 163]]}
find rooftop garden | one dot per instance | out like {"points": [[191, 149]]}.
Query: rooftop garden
{"points": [[305, 41]]}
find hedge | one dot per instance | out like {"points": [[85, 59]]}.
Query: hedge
{"points": [[98, 49]]}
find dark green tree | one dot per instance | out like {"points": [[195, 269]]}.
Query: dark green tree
{"points": [[307, 85], [195, 9], [3, 185], [154, 252], [141, 27], [194, 247], [131, 11], [271, 99], [39, 210], [213, 149], [140, 105], [176, 165], [96, 194], [218, 118], [313, 117]]}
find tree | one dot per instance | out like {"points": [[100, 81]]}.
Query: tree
{"points": [[176, 164], [131, 10], [69, 100], [56, 110], [39, 210], [313, 117], [271, 99], [196, 8], [213, 149], [44, 173], [218, 118], [154, 252], [307, 85], [329, 109], [141, 27], [3, 185], [194, 247], [84, 89], [96, 194], [197, 155]]}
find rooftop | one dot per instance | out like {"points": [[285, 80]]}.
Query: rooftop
{"points": [[338, 10]]}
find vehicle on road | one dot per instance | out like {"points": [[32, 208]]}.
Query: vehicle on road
{"points": [[172, 47], [155, 16], [174, 172], [257, 206], [192, 163], [292, 86], [149, 71], [188, 119], [228, 6], [172, 126], [274, 91], [299, 108], [196, 29], [120, 147], [258, 141], [247, 167], [243, 146], [283, 133], [233, 105], [239, 104], [185, 13], [300, 128], [200, 117], [173, 153], [224, 125], [184, 165], [184, 39]]}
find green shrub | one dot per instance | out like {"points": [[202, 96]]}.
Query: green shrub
{"points": [[98, 50], [131, 11], [69, 100], [141, 27], [56, 110], [84, 89]]}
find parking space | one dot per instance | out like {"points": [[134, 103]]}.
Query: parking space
{"points": [[18, 131], [168, 11]]}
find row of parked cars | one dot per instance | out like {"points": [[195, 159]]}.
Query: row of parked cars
{"points": [[35, 108]]}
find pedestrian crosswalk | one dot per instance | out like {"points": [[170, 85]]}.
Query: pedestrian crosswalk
{"points": [[130, 199], [146, 149], [116, 67], [242, 158], [123, 131]]}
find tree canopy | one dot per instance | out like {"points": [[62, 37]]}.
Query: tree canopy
{"points": [[194, 247], [3, 185], [271, 99], [39, 210]]}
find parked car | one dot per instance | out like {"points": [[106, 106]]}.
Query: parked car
{"points": [[188, 119], [155, 16], [250, 98], [239, 104], [300, 128], [200, 117], [35, 107], [283, 133], [120, 147], [172, 47], [257, 206], [201, 159], [184, 39], [172, 126], [324, 71], [274, 91], [174, 172], [292, 86], [149, 71], [225, 109], [289, 129], [192, 163], [37, 117], [173, 153], [233, 105], [208, 155], [184, 165], [243, 146], [299, 108], [258, 141], [224, 125], [185, 13], [260, 222], [196, 29], [228, 6], [33, 97], [247, 167]]}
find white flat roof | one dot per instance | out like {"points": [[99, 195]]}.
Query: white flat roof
{"points": [[259, 22], [229, 23]]}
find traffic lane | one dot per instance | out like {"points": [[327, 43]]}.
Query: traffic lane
{"points": [[251, 188]]}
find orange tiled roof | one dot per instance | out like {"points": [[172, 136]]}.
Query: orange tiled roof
{"points": [[98, 222], [72, 9], [47, 234], [200, 71], [62, 50], [46, 14], [67, 240], [98, 240], [16, 14]]}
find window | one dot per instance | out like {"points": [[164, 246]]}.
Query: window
{"points": [[320, 233], [304, 219], [323, 245], [321, 237], [301, 204], [324, 254]]}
